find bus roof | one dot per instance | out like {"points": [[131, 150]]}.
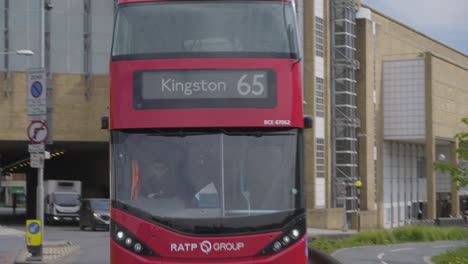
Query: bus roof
{"points": [[136, 1]]}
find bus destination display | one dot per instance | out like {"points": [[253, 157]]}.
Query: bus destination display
{"points": [[204, 88]]}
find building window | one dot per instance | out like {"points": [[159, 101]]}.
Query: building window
{"points": [[421, 167], [319, 37], [320, 157], [319, 98]]}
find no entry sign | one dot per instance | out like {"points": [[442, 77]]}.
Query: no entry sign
{"points": [[38, 132]]}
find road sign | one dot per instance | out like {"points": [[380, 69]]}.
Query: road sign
{"points": [[38, 132], [37, 160], [33, 233], [37, 89], [37, 94], [36, 148]]}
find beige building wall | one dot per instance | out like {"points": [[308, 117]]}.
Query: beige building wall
{"points": [[365, 105], [13, 110], [75, 117], [446, 76], [450, 96], [327, 217], [309, 95]]}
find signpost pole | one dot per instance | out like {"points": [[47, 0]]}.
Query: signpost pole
{"points": [[38, 131], [40, 198], [40, 171]]}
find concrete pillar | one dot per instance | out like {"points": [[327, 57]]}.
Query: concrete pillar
{"points": [[7, 196], [328, 106], [309, 96], [365, 111], [430, 142], [455, 199]]}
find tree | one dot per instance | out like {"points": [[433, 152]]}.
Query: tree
{"points": [[458, 174]]}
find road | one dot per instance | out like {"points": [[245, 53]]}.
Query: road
{"points": [[11, 239], [412, 253], [94, 245]]}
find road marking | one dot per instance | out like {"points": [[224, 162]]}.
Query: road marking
{"points": [[380, 256], [427, 259], [444, 246], [400, 249], [5, 231]]}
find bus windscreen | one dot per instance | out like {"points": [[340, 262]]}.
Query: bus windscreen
{"points": [[208, 178]]}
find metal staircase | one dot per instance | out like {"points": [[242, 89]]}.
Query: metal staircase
{"points": [[345, 121]]}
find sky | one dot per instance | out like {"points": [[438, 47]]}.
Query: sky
{"points": [[443, 20]]}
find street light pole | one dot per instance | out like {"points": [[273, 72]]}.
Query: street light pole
{"points": [[40, 171], [42, 33]]}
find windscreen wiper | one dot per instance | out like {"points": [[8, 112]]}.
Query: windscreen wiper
{"points": [[177, 133], [257, 133]]}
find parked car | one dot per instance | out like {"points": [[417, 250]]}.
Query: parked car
{"points": [[94, 213]]}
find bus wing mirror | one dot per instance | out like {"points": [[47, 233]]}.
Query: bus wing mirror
{"points": [[105, 122], [308, 121]]}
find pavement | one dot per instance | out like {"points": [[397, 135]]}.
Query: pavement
{"points": [[52, 252]]}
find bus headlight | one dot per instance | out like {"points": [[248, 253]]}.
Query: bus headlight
{"points": [[127, 240], [137, 247], [286, 239], [277, 246], [120, 235], [295, 233]]}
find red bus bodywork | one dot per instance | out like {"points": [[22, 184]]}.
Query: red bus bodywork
{"points": [[175, 248], [289, 96], [161, 239]]}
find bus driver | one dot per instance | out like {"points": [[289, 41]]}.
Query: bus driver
{"points": [[158, 181]]}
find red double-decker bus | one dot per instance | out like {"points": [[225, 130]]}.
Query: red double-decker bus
{"points": [[206, 123]]}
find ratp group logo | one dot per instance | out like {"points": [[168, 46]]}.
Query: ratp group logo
{"points": [[205, 246]]}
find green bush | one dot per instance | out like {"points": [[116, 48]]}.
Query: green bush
{"points": [[398, 235], [459, 256], [325, 245], [378, 237], [384, 237], [453, 233], [403, 234]]}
